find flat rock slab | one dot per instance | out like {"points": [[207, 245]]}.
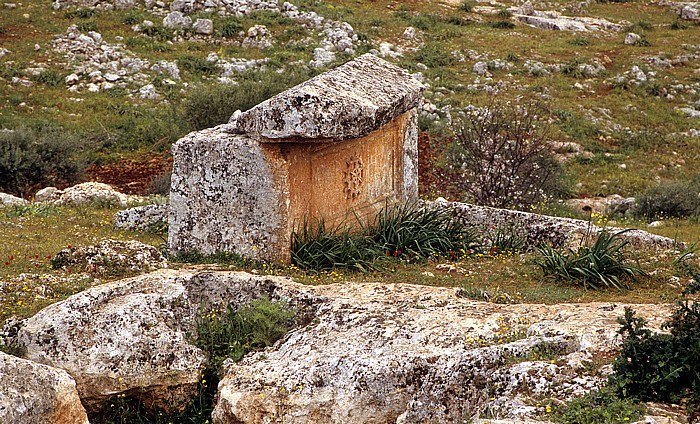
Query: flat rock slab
{"points": [[32, 393], [406, 354], [348, 102], [537, 229]]}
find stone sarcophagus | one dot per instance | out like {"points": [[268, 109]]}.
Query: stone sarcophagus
{"points": [[338, 146]]}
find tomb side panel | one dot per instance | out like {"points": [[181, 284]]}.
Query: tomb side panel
{"points": [[226, 197], [339, 180]]}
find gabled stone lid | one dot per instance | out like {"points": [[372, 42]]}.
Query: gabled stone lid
{"points": [[347, 102]]}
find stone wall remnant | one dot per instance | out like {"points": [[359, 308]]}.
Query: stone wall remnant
{"points": [[340, 145]]}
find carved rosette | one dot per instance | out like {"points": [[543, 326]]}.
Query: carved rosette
{"points": [[353, 177]]}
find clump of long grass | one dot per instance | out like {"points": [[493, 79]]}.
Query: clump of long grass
{"points": [[404, 232], [597, 266]]}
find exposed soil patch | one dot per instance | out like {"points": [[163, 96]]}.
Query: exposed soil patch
{"points": [[131, 176], [433, 180]]}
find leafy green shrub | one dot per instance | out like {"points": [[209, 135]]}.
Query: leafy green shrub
{"points": [[87, 26], [504, 13], [270, 18], [317, 247], [580, 41], [30, 158], [196, 65], [81, 13], [466, 6], [402, 232], [424, 22], [679, 24], [434, 55], [505, 240], [212, 105], [50, 77], [229, 27], [599, 407], [501, 157], [600, 265], [410, 232], [503, 24], [158, 31], [231, 333], [573, 68], [676, 199], [133, 17], [662, 367]]}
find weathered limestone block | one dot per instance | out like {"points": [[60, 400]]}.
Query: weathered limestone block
{"points": [[135, 335], [403, 353], [537, 229], [111, 257], [340, 145], [348, 102], [32, 393], [142, 217], [121, 336], [225, 197]]}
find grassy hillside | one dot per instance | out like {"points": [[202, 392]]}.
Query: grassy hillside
{"points": [[620, 102]]}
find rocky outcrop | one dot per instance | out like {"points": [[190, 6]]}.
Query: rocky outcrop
{"points": [[135, 336], [553, 20], [111, 257], [538, 229], [413, 353], [32, 393], [348, 102], [142, 217], [406, 354]]}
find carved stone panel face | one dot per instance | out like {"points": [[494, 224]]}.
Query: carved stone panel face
{"points": [[336, 181]]}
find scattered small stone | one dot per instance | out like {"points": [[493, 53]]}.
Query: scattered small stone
{"points": [[203, 26], [632, 39], [177, 20]]}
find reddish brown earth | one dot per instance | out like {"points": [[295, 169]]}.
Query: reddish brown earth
{"points": [[131, 175], [433, 180]]}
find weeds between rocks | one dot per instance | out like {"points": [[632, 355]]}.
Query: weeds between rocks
{"points": [[222, 333]]}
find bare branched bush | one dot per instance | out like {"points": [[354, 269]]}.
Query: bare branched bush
{"points": [[501, 156]]}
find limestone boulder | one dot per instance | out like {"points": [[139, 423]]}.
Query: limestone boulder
{"points": [[48, 194], [32, 393], [111, 257], [348, 102], [407, 354], [142, 217], [92, 193], [135, 335], [10, 200]]}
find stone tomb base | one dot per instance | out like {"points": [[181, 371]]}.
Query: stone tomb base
{"points": [[252, 196], [337, 147]]}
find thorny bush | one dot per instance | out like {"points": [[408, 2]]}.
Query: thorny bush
{"points": [[501, 156]]}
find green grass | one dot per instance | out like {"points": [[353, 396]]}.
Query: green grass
{"points": [[601, 265]]}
